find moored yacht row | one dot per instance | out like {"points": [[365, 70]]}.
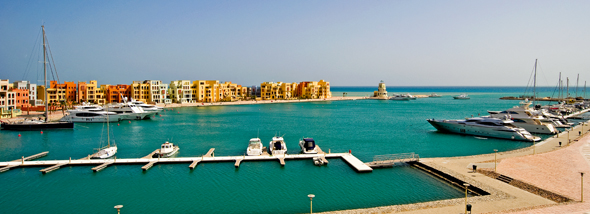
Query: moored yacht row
{"points": [[277, 146], [90, 113]]}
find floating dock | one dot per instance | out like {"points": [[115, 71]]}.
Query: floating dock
{"points": [[100, 164]]}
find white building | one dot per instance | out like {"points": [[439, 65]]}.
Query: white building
{"points": [[7, 99], [180, 91]]}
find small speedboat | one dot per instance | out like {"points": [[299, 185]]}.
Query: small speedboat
{"points": [[255, 147], [461, 97], [308, 146], [400, 97], [277, 146], [318, 161], [167, 150]]}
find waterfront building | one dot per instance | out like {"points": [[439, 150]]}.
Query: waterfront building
{"points": [[140, 91], [314, 90], [21, 98], [157, 91], [206, 91], [231, 92], [116, 93], [180, 91], [7, 99], [89, 92], [381, 91], [277, 91], [32, 87], [65, 91]]}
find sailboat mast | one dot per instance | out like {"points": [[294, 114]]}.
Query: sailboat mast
{"points": [[559, 83], [45, 75], [567, 94], [535, 84], [108, 131], [577, 82]]}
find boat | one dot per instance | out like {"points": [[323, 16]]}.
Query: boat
{"points": [[484, 127], [129, 111], [308, 146], [461, 97], [277, 146], [90, 114], [38, 124], [434, 95], [254, 147], [107, 151], [147, 107], [167, 150], [318, 161], [527, 118], [399, 97]]}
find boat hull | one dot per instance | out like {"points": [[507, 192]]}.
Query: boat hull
{"points": [[137, 116], [305, 151], [479, 131], [41, 126], [100, 119]]}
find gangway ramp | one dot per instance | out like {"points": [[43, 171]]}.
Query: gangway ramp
{"points": [[391, 159]]}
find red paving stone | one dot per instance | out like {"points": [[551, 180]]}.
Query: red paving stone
{"points": [[557, 171]]}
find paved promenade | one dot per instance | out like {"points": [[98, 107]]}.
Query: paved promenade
{"points": [[552, 168]]}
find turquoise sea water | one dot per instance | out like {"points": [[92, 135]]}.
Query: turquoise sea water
{"points": [[366, 127]]}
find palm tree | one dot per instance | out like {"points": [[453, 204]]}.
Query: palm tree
{"points": [[62, 104]]}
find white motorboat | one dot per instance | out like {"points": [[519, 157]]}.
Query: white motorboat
{"points": [[147, 107], [308, 146], [90, 114], [318, 161], [461, 97], [107, 151], [526, 118], [255, 147], [277, 146], [167, 150], [129, 111], [434, 95], [484, 126], [399, 97]]}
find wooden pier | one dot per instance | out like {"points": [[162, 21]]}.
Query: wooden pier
{"points": [[101, 164], [23, 159]]}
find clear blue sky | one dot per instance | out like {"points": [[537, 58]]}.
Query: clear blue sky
{"points": [[349, 43]]}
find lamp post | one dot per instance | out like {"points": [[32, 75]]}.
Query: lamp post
{"points": [[311, 196], [118, 207], [495, 159], [582, 186], [466, 187]]}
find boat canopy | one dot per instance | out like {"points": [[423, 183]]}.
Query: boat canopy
{"points": [[308, 143], [277, 145]]}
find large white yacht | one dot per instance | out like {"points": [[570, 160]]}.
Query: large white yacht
{"points": [[277, 146], [526, 118], [255, 147], [87, 113], [484, 126], [129, 111], [147, 107], [308, 146]]}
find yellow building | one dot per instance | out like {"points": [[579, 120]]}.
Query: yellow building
{"points": [[88, 92], [313, 90], [277, 91], [52, 94], [140, 91]]}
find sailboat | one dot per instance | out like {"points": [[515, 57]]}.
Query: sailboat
{"points": [[38, 124], [108, 151]]}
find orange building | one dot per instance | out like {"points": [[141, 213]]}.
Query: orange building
{"points": [[114, 93], [82, 92], [65, 91], [22, 98]]}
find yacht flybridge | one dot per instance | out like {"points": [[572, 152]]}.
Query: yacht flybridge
{"points": [[484, 126], [167, 150]]}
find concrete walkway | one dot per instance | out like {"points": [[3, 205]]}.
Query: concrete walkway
{"points": [[551, 167]]}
